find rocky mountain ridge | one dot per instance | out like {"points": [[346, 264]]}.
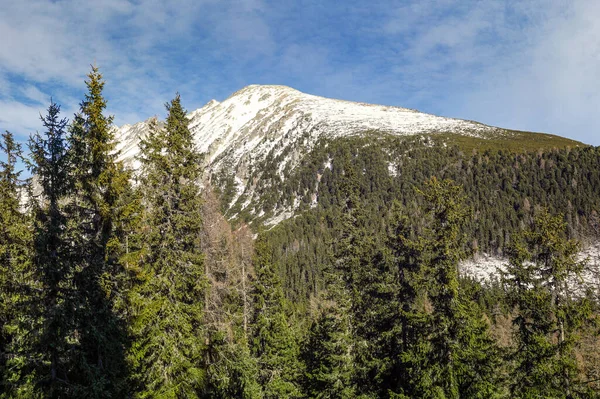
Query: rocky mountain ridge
{"points": [[262, 122]]}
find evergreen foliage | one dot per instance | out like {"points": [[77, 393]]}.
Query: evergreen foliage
{"points": [[169, 338], [15, 271], [52, 259], [502, 189], [98, 181], [447, 351], [273, 342], [543, 265], [329, 353], [232, 370], [117, 284]]}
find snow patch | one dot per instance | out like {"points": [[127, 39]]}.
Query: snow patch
{"points": [[484, 268], [393, 169]]}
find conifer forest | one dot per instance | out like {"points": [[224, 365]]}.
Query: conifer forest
{"points": [[122, 282]]}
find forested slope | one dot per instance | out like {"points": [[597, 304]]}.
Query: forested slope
{"points": [[159, 283], [503, 189]]}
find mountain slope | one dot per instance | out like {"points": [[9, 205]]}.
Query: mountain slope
{"points": [[259, 124]]}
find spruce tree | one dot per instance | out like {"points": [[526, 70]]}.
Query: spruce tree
{"points": [[367, 294], [541, 280], [99, 181], [15, 273], [167, 354], [328, 353], [232, 371], [274, 343], [452, 354], [52, 256], [412, 363]]}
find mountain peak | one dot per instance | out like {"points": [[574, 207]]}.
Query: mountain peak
{"points": [[261, 122], [259, 87]]}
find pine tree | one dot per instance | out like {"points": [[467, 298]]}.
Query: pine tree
{"points": [[15, 272], [540, 277], [99, 181], [274, 344], [169, 339]]}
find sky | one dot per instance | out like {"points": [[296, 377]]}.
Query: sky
{"points": [[521, 64]]}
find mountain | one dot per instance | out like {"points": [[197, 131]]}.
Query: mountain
{"points": [[261, 124]]}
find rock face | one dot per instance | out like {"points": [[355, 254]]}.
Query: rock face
{"points": [[277, 121]]}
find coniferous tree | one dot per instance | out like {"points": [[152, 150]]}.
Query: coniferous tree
{"points": [[274, 344], [541, 282], [52, 256], [15, 273], [328, 351], [232, 370], [412, 363], [452, 355], [99, 181], [368, 292], [169, 338]]}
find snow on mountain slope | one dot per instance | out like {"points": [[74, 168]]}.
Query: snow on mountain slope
{"points": [[256, 117], [258, 121], [484, 268]]}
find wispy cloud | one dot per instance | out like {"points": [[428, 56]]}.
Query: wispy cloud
{"points": [[528, 65], [531, 65], [552, 83]]}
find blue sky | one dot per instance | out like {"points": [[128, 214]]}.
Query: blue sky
{"points": [[529, 64]]}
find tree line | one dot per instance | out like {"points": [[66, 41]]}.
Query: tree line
{"points": [[119, 283]]}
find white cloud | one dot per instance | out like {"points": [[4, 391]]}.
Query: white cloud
{"points": [[531, 64], [551, 85], [17, 117], [52, 44], [34, 94]]}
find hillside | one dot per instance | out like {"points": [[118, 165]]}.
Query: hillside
{"points": [[316, 249], [277, 126]]}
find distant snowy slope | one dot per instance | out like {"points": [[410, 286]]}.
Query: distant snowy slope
{"points": [[255, 118], [277, 121]]}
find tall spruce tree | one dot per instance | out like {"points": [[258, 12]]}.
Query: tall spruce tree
{"points": [[328, 353], [541, 282], [15, 272], [232, 371], [99, 181], [274, 343], [411, 362], [167, 354], [452, 354], [367, 293], [52, 257]]}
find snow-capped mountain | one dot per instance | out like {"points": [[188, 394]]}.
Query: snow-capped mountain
{"points": [[259, 118], [270, 121]]}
